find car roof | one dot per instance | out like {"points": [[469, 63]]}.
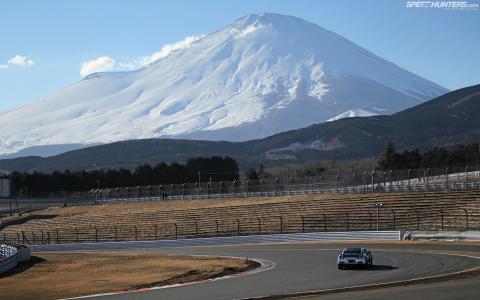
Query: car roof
{"points": [[352, 249]]}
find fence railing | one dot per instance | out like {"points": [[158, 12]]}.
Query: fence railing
{"points": [[456, 181], [106, 196], [378, 218]]}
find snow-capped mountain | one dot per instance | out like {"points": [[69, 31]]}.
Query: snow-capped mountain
{"points": [[261, 75]]}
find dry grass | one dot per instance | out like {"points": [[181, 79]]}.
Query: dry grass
{"points": [[62, 275]]}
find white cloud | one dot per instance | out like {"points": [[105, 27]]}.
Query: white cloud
{"points": [[20, 60], [100, 64], [167, 50], [105, 63], [17, 60]]}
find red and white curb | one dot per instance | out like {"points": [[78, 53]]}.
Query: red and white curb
{"points": [[265, 265]]}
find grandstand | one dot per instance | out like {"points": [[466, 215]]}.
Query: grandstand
{"points": [[428, 210]]}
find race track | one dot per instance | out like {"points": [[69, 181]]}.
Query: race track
{"points": [[302, 267]]}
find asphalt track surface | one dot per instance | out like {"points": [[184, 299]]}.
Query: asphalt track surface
{"points": [[302, 267]]}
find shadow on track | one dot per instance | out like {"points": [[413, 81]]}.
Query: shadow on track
{"points": [[381, 268], [372, 268], [22, 267]]}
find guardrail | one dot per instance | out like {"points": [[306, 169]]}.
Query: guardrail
{"points": [[235, 240], [378, 218], [8, 258]]}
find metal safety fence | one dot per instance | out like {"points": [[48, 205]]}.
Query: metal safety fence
{"points": [[379, 218], [353, 181]]}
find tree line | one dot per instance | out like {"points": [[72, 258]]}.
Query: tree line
{"points": [[457, 156], [201, 168]]}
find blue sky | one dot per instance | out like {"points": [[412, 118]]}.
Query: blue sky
{"points": [[43, 44]]}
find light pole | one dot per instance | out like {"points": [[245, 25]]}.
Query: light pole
{"points": [[378, 206]]}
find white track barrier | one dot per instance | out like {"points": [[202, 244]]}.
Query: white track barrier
{"points": [[235, 240], [443, 235], [11, 255], [8, 258]]}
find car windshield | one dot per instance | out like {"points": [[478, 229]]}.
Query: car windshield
{"points": [[352, 251]]}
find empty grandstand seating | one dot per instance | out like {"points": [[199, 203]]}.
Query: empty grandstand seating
{"points": [[429, 210]]}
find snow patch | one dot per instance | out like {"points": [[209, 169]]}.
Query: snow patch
{"points": [[359, 112]]}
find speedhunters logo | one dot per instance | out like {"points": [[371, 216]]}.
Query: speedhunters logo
{"points": [[463, 5]]}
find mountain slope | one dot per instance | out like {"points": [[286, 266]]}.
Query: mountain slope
{"points": [[444, 121], [261, 75]]}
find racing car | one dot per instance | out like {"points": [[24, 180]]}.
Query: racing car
{"points": [[354, 257]]}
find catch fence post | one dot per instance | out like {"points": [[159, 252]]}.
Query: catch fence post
{"points": [[275, 186], [346, 214], [176, 231], [48, 237], [281, 224], [370, 219], [466, 218], [259, 226], [33, 238], [394, 220], [324, 222], [136, 232], [156, 231], [303, 223], [409, 177], [418, 219], [373, 180], [446, 176], [96, 234], [238, 226], [116, 233], [466, 176], [306, 187], [57, 236], [441, 216], [208, 187], [196, 230], [217, 227], [76, 235], [42, 240], [428, 175], [364, 180], [384, 179], [390, 179]]}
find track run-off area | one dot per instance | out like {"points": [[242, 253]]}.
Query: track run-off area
{"points": [[401, 270]]}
